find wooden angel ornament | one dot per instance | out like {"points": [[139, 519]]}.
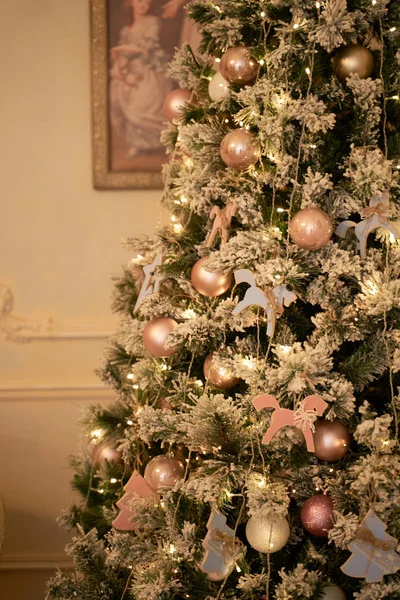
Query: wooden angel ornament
{"points": [[374, 216], [272, 301], [222, 548], [136, 487], [303, 417], [151, 283], [373, 551], [222, 221]]}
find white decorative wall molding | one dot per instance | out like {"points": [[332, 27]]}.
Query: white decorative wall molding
{"points": [[23, 330], [18, 562], [84, 392]]}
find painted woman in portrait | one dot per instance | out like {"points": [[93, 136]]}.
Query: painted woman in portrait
{"points": [[139, 81], [190, 30]]}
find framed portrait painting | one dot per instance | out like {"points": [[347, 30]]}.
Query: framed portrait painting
{"points": [[132, 44]]}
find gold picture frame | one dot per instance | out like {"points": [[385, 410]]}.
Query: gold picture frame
{"points": [[103, 176]]}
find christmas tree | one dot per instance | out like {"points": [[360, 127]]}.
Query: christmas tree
{"points": [[252, 452]]}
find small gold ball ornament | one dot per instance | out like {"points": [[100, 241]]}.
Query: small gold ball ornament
{"points": [[353, 59], [239, 149], [208, 283], [332, 592], [174, 103], [162, 472], [237, 66], [155, 335], [311, 228], [267, 532], [219, 377]]}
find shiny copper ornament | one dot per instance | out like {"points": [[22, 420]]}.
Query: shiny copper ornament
{"points": [[174, 102], [208, 283], [162, 472], [155, 335], [102, 452], [219, 377], [237, 66], [331, 439], [353, 59], [311, 228], [317, 515], [239, 149]]}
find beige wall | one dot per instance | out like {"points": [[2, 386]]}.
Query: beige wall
{"points": [[59, 246]]}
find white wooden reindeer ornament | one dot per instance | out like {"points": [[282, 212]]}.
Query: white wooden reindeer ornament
{"points": [[374, 216], [272, 302]]}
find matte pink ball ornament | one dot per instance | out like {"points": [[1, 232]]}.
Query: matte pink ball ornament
{"points": [[162, 473], [331, 440], [239, 149], [208, 283], [155, 335], [317, 515], [174, 102], [311, 228], [219, 377], [237, 66]]}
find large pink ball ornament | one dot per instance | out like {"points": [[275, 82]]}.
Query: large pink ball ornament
{"points": [[317, 515], [219, 377], [237, 66], [311, 228], [162, 473], [155, 335], [208, 283], [331, 439], [332, 592], [239, 149], [174, 102]]}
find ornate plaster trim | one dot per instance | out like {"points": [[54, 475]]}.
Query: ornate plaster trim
{"points": [[22, 329]]}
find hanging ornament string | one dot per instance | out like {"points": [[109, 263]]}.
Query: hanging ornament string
{"points": [[299, 152]]}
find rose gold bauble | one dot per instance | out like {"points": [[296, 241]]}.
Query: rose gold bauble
{"points": [[353, 59], [208, 283], [239, 149], [174, 102], [237, 66], [331, 439], [217, 376], [332, 592], [155, 335], [103, 452], [311, 228], [317, 515], [163, 472]]}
